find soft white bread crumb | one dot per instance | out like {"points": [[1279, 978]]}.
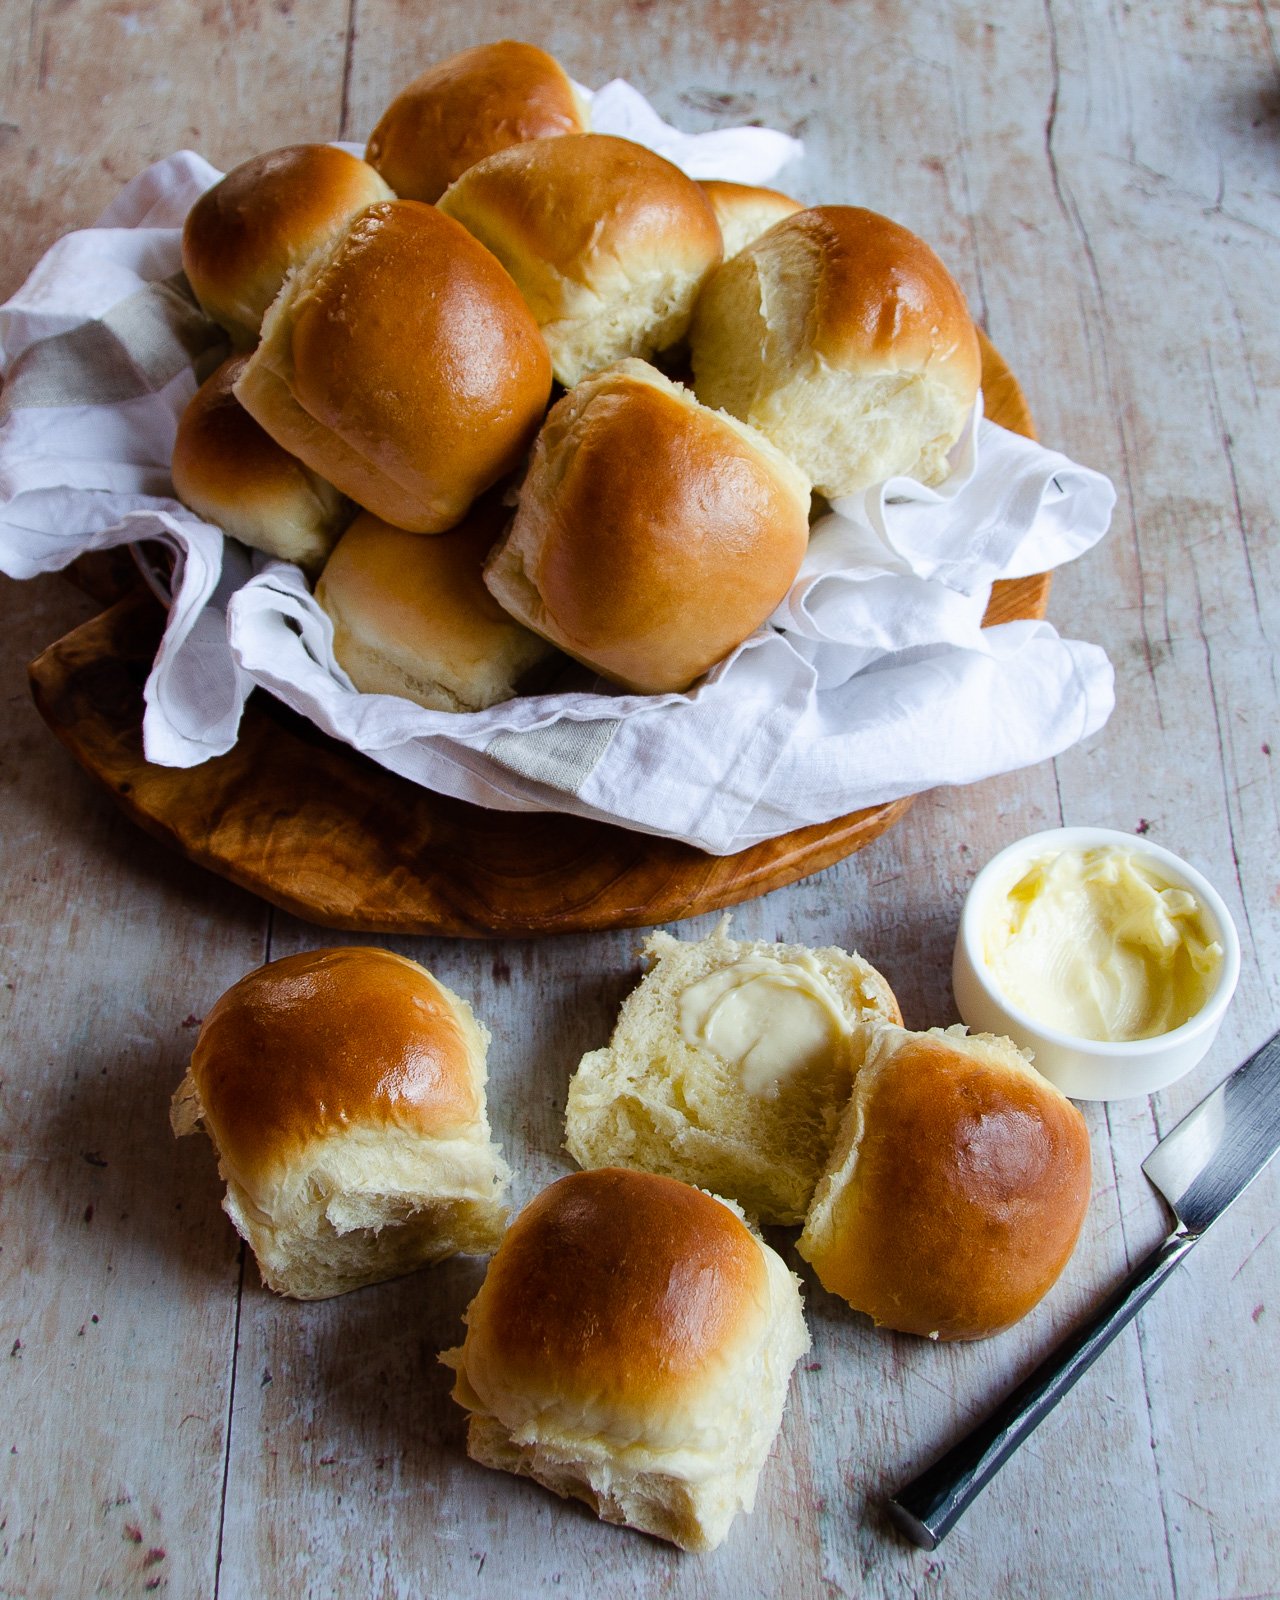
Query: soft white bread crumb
{"points": [[655, 1100], [343, 1091], [631, 1347]]}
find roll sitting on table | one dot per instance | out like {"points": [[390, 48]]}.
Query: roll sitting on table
{"points": [[729, 1067], [343, 1091], [957, 1187], [631, 1346]]}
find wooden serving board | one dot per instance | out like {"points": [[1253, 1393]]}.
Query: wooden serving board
{"points": [[323, 832]]}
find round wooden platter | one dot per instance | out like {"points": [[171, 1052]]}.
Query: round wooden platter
{"points": [[325, 833]]}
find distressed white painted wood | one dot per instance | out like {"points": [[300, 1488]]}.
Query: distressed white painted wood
{"points": [[1103, 181]]}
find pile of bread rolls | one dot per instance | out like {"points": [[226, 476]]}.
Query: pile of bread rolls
{"points": [[401, 327], [402, 324], [633, 1340]]}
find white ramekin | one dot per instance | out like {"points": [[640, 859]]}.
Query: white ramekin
{"points": [[1090, 1069]]}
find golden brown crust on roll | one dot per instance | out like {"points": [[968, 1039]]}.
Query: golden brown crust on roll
{"points": [[344, 1093], [608, 242], [402, 365], [957, 1188], [883, 297], [263, 219], [411, 616], [652, 535], [745, 211], [841, 336], [467, 107], [617, 1288], [311, 1044], [230, 471], [631, 1346]]}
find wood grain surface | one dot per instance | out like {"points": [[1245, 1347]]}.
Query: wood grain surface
{"points": [[323, 832], [1102, 179]]}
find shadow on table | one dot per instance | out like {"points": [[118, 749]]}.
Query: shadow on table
{"points": [[130, 1201]]}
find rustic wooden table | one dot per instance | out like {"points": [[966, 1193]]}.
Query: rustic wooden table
{"points": [[1102, 179]]}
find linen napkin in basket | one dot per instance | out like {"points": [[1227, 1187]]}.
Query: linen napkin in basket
{"points": [[874, 679]]}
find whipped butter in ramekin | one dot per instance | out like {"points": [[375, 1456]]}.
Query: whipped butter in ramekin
{"points": [[1108, 957]]}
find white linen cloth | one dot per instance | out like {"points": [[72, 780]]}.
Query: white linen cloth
{"points": [[874, 679]]}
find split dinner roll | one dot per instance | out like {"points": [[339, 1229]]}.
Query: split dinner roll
{"points": [[411, 616], [652, 535], [243, 236], [744, 211], [470, 106], [230, 471], [843, 338], [729, 1067], [343, 1091], [609, 243], [631, 1347], [402, 365], [956, 1190]]}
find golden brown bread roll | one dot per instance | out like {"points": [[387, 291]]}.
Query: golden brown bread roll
{"points": [[956, 1189], [652, 535], [243, 236], [608, 242], [730, 1067], [344, 1093], [402, 365], [411, 616], [232, 472], [745, 211], [470, 106], [631, 1347], [843, 338]]}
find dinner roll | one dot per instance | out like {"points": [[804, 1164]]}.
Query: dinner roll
{"points": [[744, 212], [652, 535], [470, 106], [842, 337], [956, 1189], [266, 216], [609, 243], [402, 365], [631, 1347], [729, 1067], [411, 616], [343, 1091], [232, 472]]}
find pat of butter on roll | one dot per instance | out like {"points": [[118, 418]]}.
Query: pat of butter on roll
{"points": [[1097, 943], [769, 1018]]}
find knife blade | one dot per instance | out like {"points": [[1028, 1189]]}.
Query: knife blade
{"points": [[1201, 1168]]}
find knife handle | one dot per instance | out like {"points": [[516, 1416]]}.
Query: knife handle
{"points": [[927, 1508]]}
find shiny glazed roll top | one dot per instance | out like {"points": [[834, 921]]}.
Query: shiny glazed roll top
{"points": [[402, 365]]}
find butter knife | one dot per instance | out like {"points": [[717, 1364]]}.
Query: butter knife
{"points": [[1201, 1167]]}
